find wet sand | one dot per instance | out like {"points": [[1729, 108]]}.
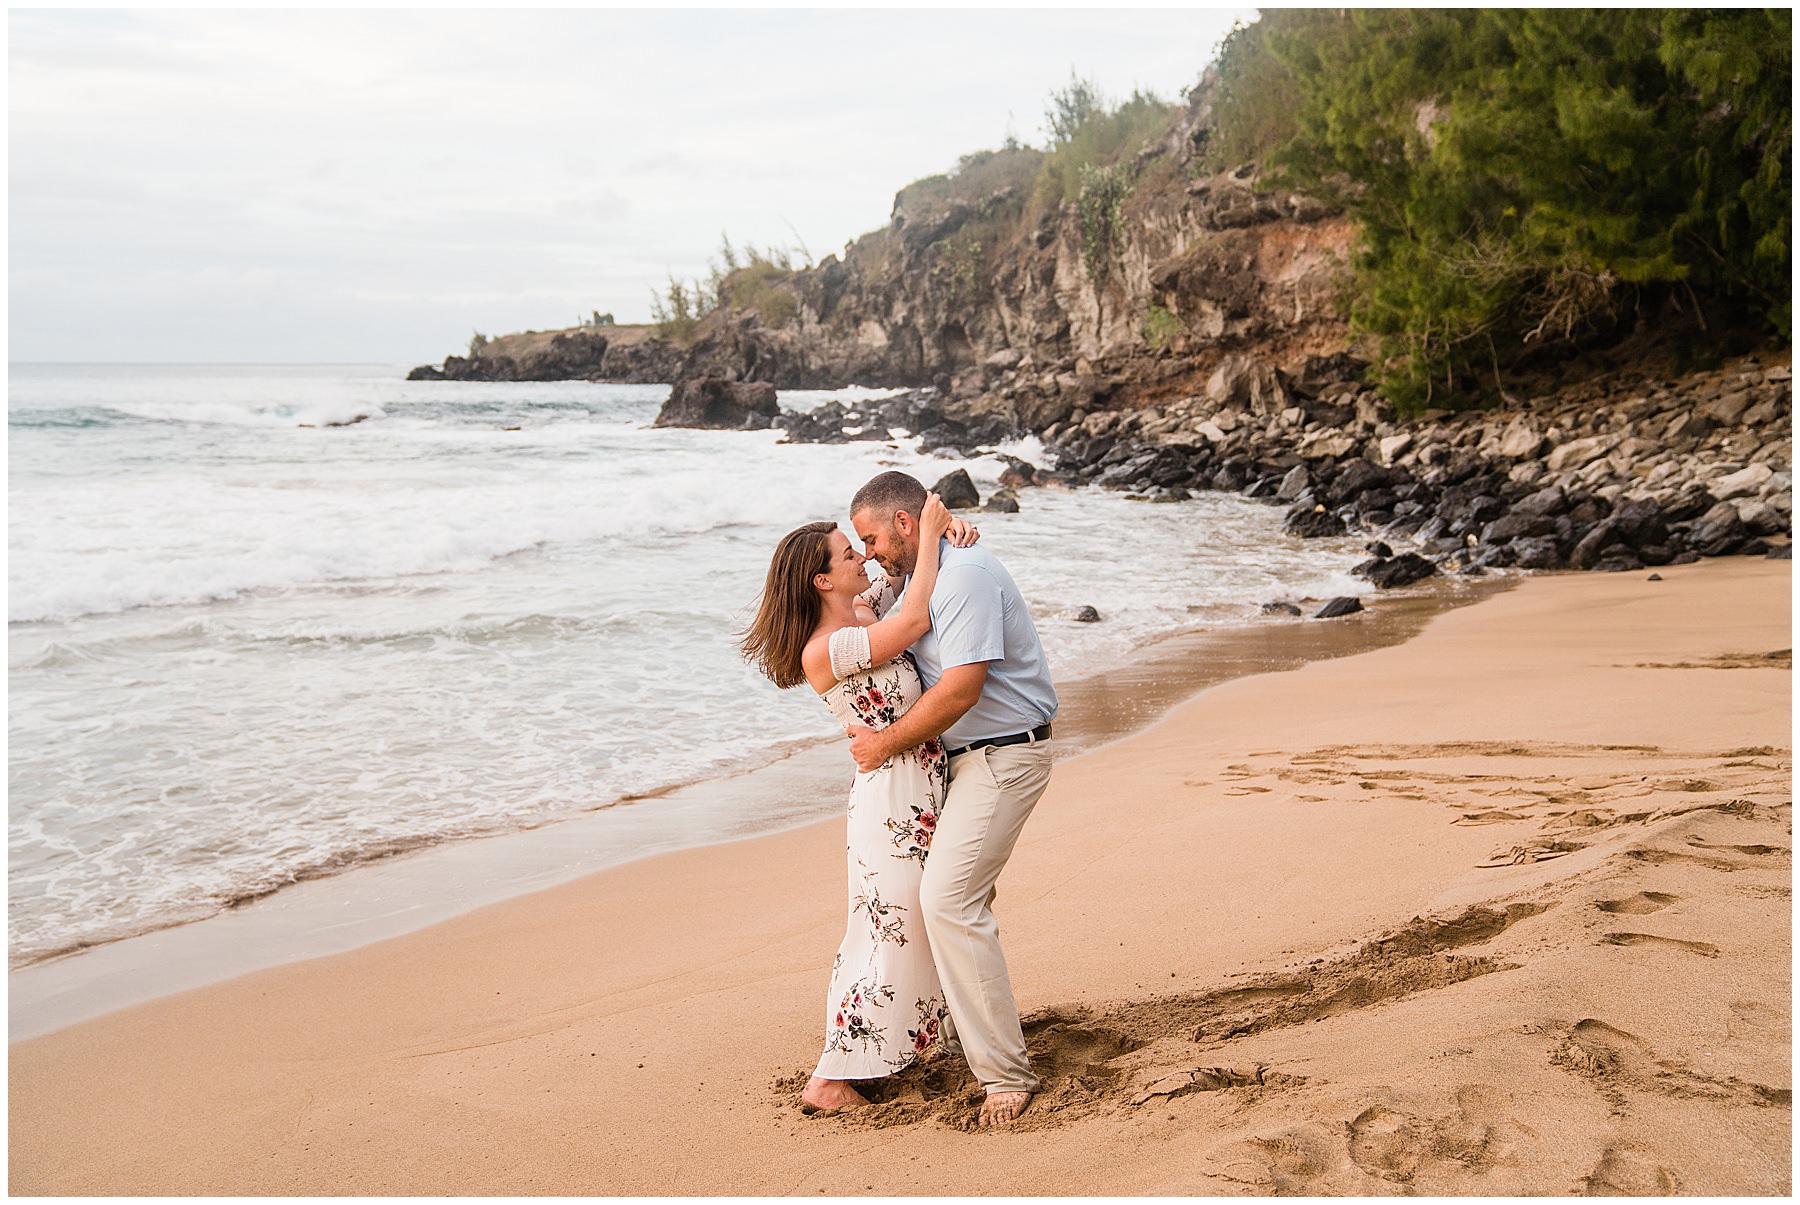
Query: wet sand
{"points": [[1504, 908]]}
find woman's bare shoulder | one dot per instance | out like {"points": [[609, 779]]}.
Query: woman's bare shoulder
{"points": [[815, 660]]}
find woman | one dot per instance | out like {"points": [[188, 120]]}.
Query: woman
{"points": [[823, 623]]}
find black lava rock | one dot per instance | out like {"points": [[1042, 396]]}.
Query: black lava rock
{"points": [[957, 491], [1402, 570], [1536, 552], [1339, 606], [1002, 502], [1312, 524]]}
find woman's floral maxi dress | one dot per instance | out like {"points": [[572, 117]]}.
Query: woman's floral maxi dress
{"points": [[884, 1005]]}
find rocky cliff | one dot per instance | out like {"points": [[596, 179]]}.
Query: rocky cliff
{"points": [[1014, 317]]}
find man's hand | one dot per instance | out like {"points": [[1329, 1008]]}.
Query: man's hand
{"points": [[867, 747], [937, 709]]}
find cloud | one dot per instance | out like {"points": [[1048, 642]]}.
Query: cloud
{"points": [[435, 170]]}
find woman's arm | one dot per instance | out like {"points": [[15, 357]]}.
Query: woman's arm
{"points": [[893, 635]]}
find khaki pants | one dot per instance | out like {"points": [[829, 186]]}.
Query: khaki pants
{"points": [[991, 794]]}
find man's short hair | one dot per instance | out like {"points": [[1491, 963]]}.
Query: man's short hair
{"points": [[887, 493]]}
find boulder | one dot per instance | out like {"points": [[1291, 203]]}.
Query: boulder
{"points": [[1586, 553], [1018, 472], [1759, 518], [1728, 409], [1579, 452], [1718, 531], [1288, 608], [1002, 502], [1355, 477], [1550, 500], [1339, 606], [1245, 381], [1640, 524], [1294, 484], [1742, 483], [957, 491], [1535, 552], [1327, 444], [1173, 465], [1086, 614], [1514, 524], [1393, 446], [1690, 505], [1391, 572], [1316, 522], [1521, 441], [714, 402]]}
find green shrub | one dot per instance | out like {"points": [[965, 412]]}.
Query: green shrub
{"points": [[960, 260], [477, 344], [1101, 204], [1088, 131], [1254, 95], [1527, 178], [677, 312], [1160, 327]]}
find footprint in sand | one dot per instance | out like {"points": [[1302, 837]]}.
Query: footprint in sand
{"points": [[1641, 904], [1290, 1163], [1622, 1172], [1387, 1144], [1702, 948], [1758, 1014]]}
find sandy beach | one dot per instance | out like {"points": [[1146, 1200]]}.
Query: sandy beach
{"points": [[1503, 909]]}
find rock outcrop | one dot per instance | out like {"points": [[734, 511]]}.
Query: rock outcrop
{"points": [[1197, 342], [575, 355], [717, 403], [1013, 318]]}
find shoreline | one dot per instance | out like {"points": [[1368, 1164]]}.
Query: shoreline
{"points": [[1501, 909], [393, 896]]}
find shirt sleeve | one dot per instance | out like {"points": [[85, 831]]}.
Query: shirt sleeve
{"points": [[967, 616], [849, 651]]}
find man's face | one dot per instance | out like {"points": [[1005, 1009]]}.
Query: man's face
{"points": [[892, 550]]}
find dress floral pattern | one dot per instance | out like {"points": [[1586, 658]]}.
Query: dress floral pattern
{"points": [[884, 1007]]}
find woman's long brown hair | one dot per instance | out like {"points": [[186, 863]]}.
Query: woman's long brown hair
{"points": [[790, 608]]}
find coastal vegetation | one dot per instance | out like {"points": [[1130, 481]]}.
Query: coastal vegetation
{"points": [[747, 277], [1527, 181]]}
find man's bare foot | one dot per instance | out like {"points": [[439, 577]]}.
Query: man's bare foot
{"points": [[829, 1095], [1003, 1108]]}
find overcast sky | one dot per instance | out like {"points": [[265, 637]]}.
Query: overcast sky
{"points": [[317, 186]]}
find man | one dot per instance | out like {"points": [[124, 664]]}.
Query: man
{"points": [[988, 696]]}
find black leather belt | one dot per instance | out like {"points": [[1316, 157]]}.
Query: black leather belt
{"points": [[1040, 733]]}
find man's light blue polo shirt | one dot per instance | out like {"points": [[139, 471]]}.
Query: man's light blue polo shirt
{"points": [[977, 614]]}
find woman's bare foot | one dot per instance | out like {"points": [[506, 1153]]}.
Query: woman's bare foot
{"points": [[829, 1095], [1002, 1108]]}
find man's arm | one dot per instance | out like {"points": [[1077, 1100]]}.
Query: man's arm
{"points": [[938, 708]]}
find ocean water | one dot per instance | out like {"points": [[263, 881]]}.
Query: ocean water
{"points": [[271, 622]]}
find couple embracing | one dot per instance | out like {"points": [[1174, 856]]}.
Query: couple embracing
{"points": [[938, 677]]}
